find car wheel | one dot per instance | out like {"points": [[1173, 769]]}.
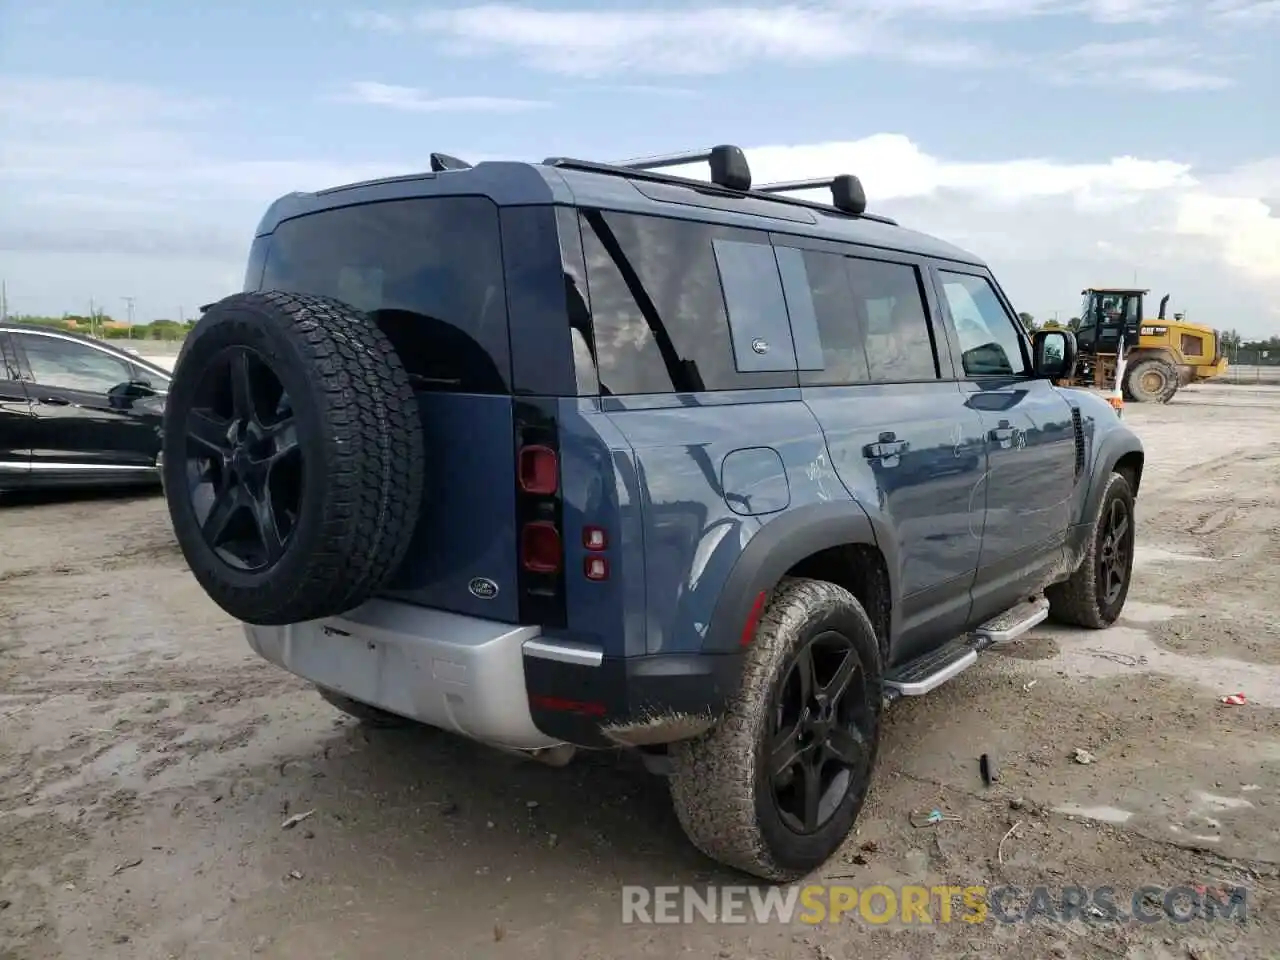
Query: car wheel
{"points": [[1095, 594], [366, 714], [293, 457], [775, 788]]}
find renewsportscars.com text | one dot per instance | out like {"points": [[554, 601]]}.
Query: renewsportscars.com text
{"points": [[910, 904]]}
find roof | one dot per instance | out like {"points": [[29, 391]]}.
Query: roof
{"points": [[512, 183], [1114, 290]]}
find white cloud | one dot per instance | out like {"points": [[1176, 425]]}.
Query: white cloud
{"points": [[128, 198], [1050, 228], [1246, 13], [1153, 63], [697, 40], [415, 100]]}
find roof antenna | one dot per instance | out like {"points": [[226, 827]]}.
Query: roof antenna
{"points": [[442, 161]]}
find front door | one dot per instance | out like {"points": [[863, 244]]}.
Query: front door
{"points": [[878, 377], [88, 417], [15, 419], [1031, 444]]}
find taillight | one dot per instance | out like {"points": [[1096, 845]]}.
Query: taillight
{"points": [[540, 547], [539, 471], [595, 568], [594, 538]]}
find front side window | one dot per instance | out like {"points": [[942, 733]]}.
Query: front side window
{"points": [[429, 270], [990, 344], [55, 362]]}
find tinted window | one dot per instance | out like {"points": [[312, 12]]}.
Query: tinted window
{"points": [[757, 310], [989, 343], [658, 311], [430, 271], [870, 317], [73, 366]]}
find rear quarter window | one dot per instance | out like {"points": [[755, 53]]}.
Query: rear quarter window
{"points": [[430, 272]]}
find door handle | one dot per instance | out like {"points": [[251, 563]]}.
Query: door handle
{"points": [[887, 449], [56, 401]]}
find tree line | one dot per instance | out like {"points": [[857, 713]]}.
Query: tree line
{"points": [[105, 327]]}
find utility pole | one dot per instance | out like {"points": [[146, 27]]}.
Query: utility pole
{"points": [[129, 303], [4, 301]]}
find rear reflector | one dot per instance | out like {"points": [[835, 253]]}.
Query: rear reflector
{"points": [[562, 705], [539, 470], [540, 547], [753, 620]]}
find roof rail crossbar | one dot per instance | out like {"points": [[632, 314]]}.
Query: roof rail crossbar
{"points": [[846, 191], [442, 161], [729, 167]]}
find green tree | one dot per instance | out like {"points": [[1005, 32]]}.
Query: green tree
{"points": [[1029, 322]]}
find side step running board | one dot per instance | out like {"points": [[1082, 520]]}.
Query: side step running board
{"points": [[925, 674]]}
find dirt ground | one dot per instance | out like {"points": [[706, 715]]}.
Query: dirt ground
{"points": [[148, 760]]}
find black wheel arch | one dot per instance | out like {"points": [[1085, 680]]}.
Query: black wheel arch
{"points": [[1120, 451], [784, 543]]}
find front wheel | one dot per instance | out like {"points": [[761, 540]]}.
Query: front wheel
{"points": [[1096, 592], [775, 788], [1151, 381]]}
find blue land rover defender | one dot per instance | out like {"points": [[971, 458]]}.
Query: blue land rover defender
{"points": [[571, 455]]}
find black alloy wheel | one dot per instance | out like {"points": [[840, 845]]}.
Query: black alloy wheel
{"points": [[820, 734], [1115, 552], [244, 466]]}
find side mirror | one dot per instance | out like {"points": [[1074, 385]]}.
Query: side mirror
{"points": [[1053, 353]]}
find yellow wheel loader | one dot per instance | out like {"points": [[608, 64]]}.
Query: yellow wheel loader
{"points": [[1159, 355]]}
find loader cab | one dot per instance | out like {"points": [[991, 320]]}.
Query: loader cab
{"points": [[1105, 316]]}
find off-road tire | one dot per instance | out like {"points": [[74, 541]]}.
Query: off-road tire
{"points": [[1078, 602], [361, 449], [369, 715], [1132, 388], [718, 785]]}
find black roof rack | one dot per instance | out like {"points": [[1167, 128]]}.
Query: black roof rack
{"points": [[846, 191], [729, 167], [730, 176]]}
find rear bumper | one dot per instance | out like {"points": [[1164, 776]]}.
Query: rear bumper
{"points": [[500, 683], [458, 673]]}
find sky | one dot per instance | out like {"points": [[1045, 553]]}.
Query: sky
{"points": [[1070, 143]]}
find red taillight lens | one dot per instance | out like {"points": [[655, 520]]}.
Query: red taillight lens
{"points": [[540, 549], [539, 470], [595, 568], [594, 538]]}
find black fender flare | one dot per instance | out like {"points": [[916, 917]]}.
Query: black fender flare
{"points": [[1118, 442], [782, 543]]}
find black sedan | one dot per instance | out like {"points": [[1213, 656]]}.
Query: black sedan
{"points": [[76, 411]]}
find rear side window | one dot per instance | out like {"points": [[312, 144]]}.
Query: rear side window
{"points": [[658, 289], [870, 316], [429, 270]]}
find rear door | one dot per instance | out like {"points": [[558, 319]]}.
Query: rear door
{"points": [[15, 418], [1031, 443], [430, 271], [877, 374], [87, 416]]}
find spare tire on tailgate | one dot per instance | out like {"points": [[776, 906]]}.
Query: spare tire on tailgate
{"points": [[293, 456]]}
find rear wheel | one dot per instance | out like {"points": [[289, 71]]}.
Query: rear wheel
{"points": [[775, 788], [293, 457], [1096, 593], [1151, 381]]}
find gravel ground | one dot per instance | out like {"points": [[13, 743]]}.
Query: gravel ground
{"points": [[148, 760]]}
